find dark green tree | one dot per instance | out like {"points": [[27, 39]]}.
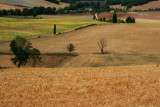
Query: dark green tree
{"points": [[25, 12], [12, 12], [133, 20], [114, 17], [22, 49], [4, 12], [130, 20], [54, 29], [35, 56], [104, 19], [70, 47], [34, 13], [17, 12]]}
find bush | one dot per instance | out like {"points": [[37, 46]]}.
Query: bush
{"points": [[130, 20], [120, 21], [70, 47]]}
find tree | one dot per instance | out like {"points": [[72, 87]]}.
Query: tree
{"points": [[17, 12], [54, 29], [70, 47], [35, 56], [133, 20], [114, 17], [12, 12], [128, 20], [25, 12], [22, 49], [34, 13], [4, 12], [102, 43], [104, 19]]}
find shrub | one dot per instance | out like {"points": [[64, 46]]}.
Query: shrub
{"points": [[130, 20], [120, 21], [70, 47]]}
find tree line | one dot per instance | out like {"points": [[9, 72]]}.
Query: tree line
{"points": [[29, 11]]}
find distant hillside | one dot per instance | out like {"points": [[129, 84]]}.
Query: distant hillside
{"points": [[32, 3], [152, 4], [5, 6]]}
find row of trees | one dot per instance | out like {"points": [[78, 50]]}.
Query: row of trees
{"points": [[29, 12], [116, 20], [76, 7]]}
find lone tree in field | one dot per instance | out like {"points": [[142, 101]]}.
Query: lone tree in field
{"points": [[22, 49], [54, 29], [102, 43], [70, 47], [114, 17]]}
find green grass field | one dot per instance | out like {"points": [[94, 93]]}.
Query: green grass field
{"points": [[10, 27]]}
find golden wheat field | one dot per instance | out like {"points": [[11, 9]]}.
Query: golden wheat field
{"points": [[108, 86]]}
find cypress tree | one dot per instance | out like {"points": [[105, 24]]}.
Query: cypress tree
{"points": [[54, 29], [114, 18]]}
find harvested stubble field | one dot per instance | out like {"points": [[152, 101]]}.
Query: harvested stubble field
{"points": [[121, 38], [19, 26], [152, 16], [111, 86]]}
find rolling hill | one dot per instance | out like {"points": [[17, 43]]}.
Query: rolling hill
{"points": [[32, 3]]}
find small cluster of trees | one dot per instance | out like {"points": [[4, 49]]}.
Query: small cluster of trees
{"points": [[29, 12], [116, 20], [130, 20]]}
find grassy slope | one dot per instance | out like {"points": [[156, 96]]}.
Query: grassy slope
{"points": [[11, 27], [111, 86]]}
